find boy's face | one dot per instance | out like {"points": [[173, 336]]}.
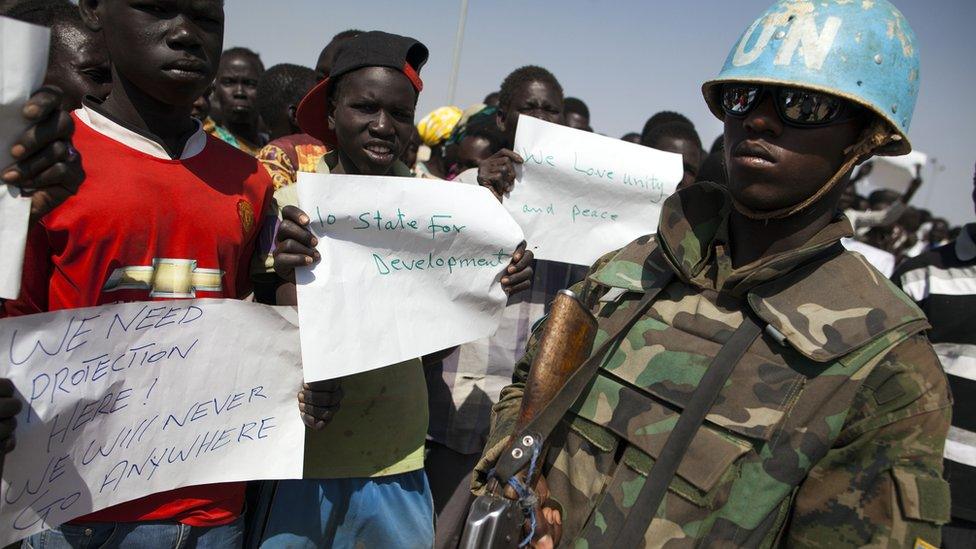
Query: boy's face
{"points": [[473, 150], [537, 99], [772, 165], [372, 116], [79, 65], [409, 156], [237, 88], [168, 49], [690, 155], [201, 107], [577, 121]]}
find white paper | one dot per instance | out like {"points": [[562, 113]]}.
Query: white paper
{"points": [[424, 277], [14, 216], [892, 172], [127, 400], [881, 260], [579, 195], [23, 62]]}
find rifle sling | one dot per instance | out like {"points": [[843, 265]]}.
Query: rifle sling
{"points": [[655, 487], [546, 420]]}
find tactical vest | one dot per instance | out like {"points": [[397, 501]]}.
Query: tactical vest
{"points": [[779, 413]]}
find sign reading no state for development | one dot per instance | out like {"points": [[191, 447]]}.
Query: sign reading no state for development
{"points": [[409, 267]]}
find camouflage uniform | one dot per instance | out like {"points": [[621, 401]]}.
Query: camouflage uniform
{"points": [[829, 431]]}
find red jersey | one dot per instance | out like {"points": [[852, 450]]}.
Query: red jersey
{"points": [[145, 227]]}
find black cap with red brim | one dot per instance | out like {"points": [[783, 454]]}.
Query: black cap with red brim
{"points": [[369, 49]]}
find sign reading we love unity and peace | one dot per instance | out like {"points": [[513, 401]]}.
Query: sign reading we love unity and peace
{"points": [[579, 195]]}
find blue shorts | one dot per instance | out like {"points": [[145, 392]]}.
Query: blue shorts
{"points": [[138, 535], [391, 511]]}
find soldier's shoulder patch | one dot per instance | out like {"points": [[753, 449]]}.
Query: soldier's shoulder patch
{"points": [[631, 267], [922, 544], [825, 319]]}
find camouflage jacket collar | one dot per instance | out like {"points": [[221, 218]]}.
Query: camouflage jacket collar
{"points": [[694, 235], [790, 292]]}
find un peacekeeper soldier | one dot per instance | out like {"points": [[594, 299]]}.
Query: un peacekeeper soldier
{"points": [[829, 430]]}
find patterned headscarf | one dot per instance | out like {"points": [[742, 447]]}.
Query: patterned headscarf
{"points": [[438, 125], [476, 116]]}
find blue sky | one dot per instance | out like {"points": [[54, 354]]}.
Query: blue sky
{"points": [[627, 59]]}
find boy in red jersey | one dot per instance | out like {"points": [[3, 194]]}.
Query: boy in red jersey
{"points": [[165, 212]]}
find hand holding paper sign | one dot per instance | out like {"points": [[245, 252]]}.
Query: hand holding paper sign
{"points": [[294, 244], [497, 173], [318, 402], [579, 195], [913, 185], [295, 247], [898, 173], [409, 267], [47, 167], [519, 271], [23, 59]]}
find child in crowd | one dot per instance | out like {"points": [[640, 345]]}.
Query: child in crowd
{"points": [[160, 196], [290, 151], [365, 484], [77, 63]]}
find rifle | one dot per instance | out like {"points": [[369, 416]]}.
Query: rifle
{"points": [[495, 521]]}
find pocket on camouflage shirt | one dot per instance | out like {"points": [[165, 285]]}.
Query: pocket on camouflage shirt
{"points": [[613, 410]]}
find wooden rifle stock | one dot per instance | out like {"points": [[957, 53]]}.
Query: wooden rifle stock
{"points": [[566, 342], [494, 521]]}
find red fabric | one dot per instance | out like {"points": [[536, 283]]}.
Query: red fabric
{"points": [[414, 77], [131, 209]]}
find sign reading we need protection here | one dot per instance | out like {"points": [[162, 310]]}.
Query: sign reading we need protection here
{"points": [[579, 195], [409, 267], [126, 400]]}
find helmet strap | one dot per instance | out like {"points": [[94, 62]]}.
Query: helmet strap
{"points": [[876, 135]]}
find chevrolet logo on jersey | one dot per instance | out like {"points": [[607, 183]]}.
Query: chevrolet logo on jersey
{"points": [[166, 278]]}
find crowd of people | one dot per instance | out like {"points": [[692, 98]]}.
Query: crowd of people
{"points": [[154, 146]]}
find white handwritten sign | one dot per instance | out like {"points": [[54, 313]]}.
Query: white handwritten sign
{"points": [[127, 400], [409, 267], [580, 195], [23, 62], [893, 172]]}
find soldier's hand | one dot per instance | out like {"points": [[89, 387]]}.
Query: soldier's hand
{"points": [[9, 408], [47, 167], [549, 519], [318, 403], [497, 172], [294, 243]]}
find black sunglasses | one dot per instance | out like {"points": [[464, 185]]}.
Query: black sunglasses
{"points": [[795, 106]]}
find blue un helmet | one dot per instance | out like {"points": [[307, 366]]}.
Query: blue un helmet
{"points": [[861, 50]]}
